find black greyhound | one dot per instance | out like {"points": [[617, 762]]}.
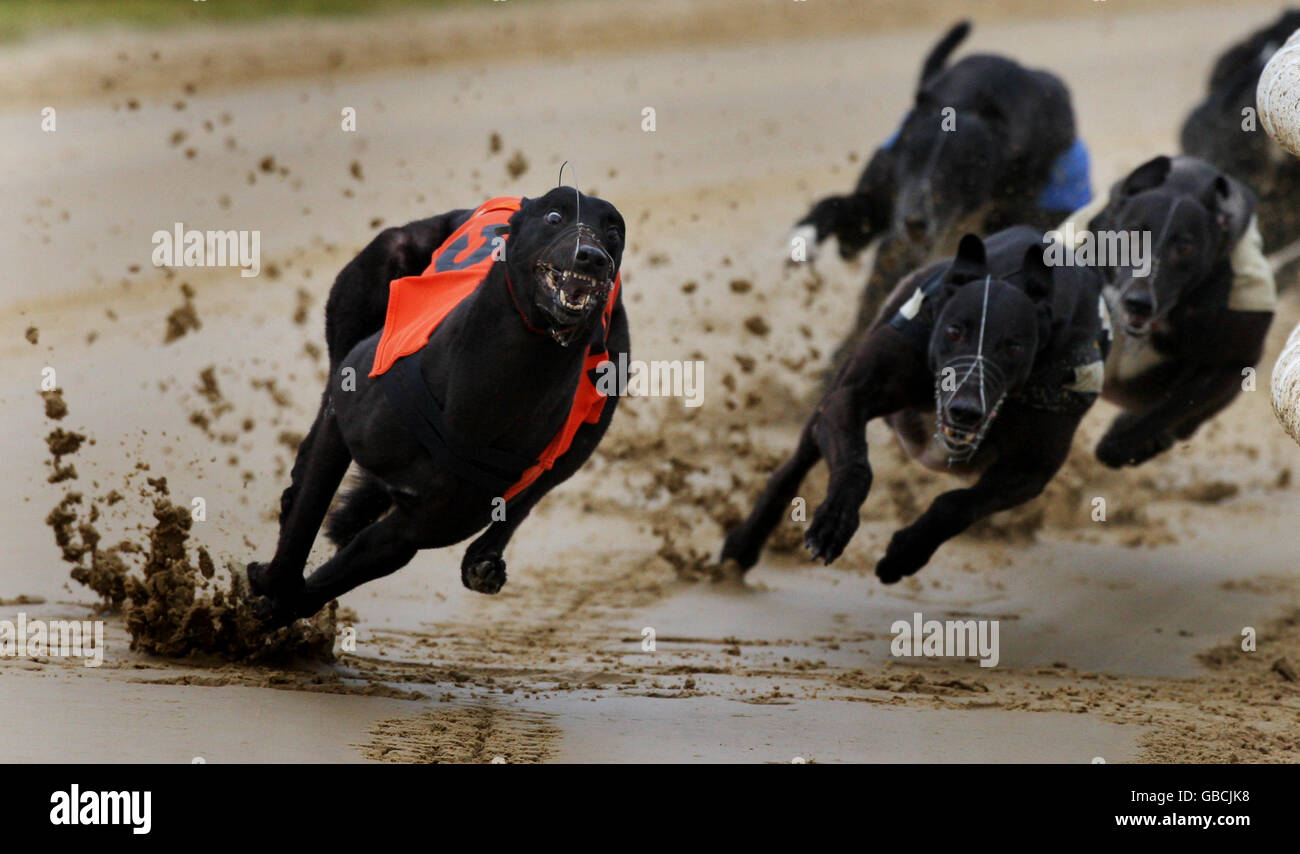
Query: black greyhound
{"points": [[1221, 132], [459, 433], [988, 144], [1187, 330], [982, 364]]}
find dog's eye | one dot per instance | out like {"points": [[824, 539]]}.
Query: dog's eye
{"points": [[1014, 349], [954, 333], [554, 218], [613, 235]]}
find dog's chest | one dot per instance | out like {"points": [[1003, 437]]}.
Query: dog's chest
{"points": [[1132, 358], [915, 430]]}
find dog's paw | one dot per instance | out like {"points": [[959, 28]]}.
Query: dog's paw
{"points": [[273, 613], [906, 554], [833, 525], [263, 610], [1119, 451], [727, 571], [739, 549], [263, 580], [1112, 452], [274, 598], [259, 581], [487, 575]]}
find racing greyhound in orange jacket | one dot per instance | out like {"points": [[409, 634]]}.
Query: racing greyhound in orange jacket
{"points": [[464, 393]]}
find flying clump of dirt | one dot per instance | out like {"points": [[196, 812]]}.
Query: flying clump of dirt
{"points": [[210, 391], [174, 604], [182, 319], [302, 308], [178, 609], [55, 408], [61, 444], [677, 493], [517, 165]]}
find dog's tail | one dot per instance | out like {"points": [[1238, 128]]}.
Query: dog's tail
{"points": [[361, 505], [939, 54]]}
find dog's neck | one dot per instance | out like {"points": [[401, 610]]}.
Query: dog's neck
{"points": [[500, 374], [540, 326]]}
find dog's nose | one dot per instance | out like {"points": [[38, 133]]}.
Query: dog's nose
{"points": [[964, 414], [915, 226], [592, 260], [1138, 303]]}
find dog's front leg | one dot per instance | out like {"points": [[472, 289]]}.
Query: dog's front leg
{"points": [[855, 219], [840, 432], [886, 375], [1135, 437], [483, 569], [1018, 475], [745, 541]]}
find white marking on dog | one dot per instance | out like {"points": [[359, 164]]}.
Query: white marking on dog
{"points": [[912, 307]]}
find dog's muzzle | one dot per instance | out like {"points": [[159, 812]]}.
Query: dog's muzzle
{"points": [[968, 393], [574, 275], [1138, 311], [567, 295]]}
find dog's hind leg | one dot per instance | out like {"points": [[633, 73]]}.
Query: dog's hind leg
{"points": [[299, 462], [365, 502], [380, 549], [320, 468], [358, 303]]}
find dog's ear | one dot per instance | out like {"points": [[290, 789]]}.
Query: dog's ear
{"points": [[1039, 284], [1036, 275], [1217, 198], [969, 264], [990, 109], [1147, 176]]}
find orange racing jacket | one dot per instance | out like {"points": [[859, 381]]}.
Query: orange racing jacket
{"points": [[418, 304]]}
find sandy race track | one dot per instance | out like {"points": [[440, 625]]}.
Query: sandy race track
{"points": [[1119, 640]]}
